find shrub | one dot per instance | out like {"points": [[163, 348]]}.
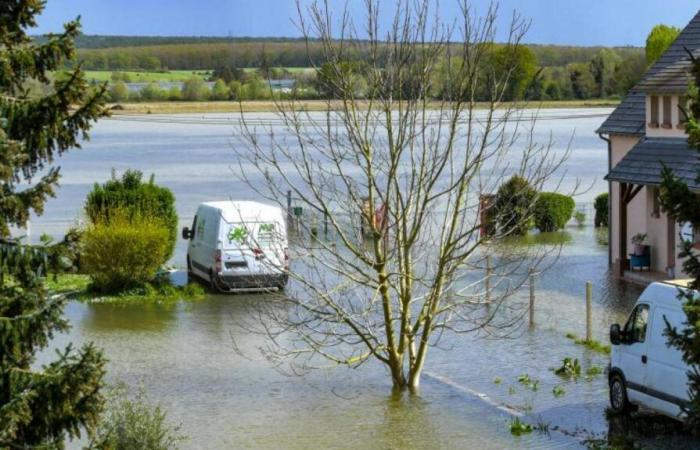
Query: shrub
{"points": [[194, 89], [601, 210], [514, 204], [553, 211], [152, 92], [118, 92], [133, 423], [124, 250], [130, 193]]}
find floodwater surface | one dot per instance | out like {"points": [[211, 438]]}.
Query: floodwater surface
{"points": [[208, 372]]}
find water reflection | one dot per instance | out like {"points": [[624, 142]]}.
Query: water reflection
{"points": [[106, 317]]}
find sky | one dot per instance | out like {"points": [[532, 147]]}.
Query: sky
{"points": [[564, 22]]}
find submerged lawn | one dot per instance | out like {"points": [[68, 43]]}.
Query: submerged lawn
{"points": [[77, 286]]}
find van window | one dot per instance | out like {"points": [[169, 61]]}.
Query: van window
{"points": [[200, 229], [193, 230], [636, 326]]}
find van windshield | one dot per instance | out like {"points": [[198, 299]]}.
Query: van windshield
{"points": [[256, 234]]}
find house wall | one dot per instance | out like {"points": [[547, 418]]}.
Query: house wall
{"points": [[636, 210]]}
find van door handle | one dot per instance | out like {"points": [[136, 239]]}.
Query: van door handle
{"points": [[644, 359]]}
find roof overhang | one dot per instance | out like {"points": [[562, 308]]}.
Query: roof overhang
{"points": [[643, 163]]}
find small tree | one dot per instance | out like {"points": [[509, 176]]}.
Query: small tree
{"points": [[39, 406], [515, 203], [194, 89], [659, 39], [601, 206], [399, 179], [118, 92], [220, 91]]}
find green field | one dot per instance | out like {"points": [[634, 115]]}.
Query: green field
{"points": [[167, 75], [147, 77]]}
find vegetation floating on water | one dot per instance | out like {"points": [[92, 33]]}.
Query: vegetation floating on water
{"points": [[518, 427], [592, 344]]}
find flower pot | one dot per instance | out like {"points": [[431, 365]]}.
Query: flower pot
{"points": [[640, 249]]}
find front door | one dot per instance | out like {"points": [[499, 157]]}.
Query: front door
{"points": [[633, 351]]}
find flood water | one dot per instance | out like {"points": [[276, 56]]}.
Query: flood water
{"points": [[185, 355]]}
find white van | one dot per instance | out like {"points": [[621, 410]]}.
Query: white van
{"points": [[238, 246], [644, 370]]}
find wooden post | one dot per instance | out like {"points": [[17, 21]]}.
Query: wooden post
{"points": [[589, 328], [290, 217], [532, 298], [488, 280]]}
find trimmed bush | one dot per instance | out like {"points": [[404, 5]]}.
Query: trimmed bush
{"points": [[124, 250], [514, 205], [553, 211], [601, 210], [131, 195]]}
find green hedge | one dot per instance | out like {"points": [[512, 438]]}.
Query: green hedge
{"points": [[514, 205], [553, 211], [125, 251], [601, 210], [129, 193]]}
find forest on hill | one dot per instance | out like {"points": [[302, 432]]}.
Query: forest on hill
{"points": [[545, 72]]}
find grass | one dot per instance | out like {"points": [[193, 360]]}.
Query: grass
{"points": [[528, 382], [147, 77], [558, 390], [518, 427], [77, 287], [182, 107], [592, 344]]}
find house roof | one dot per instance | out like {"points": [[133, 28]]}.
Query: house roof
{"points": [[643, 163], [629, 116], [672, 79]]}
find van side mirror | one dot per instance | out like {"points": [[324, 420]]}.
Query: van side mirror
{"points": [[615, 334], [187, 233]]}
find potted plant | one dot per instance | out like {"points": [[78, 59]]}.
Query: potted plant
{"points": [[639, 245]]}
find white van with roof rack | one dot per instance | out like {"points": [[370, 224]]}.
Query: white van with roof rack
{"points": [[238, 245], [644, 370]]}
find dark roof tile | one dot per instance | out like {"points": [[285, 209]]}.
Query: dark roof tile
{"points": [[643, 163]]}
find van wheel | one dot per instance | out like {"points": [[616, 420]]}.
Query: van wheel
{"points": [[618, 395], [213, 282]]}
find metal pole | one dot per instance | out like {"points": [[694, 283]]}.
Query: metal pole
{"points": [[589, 330], [532, 298]]}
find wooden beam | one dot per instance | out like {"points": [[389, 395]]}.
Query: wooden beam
{"points": [[632, 192], [622, 205]]}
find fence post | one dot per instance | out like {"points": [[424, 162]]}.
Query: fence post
{"points": [[488, 280], [532, 297], [589, 330]]}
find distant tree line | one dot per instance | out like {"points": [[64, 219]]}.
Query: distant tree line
{"points": [[542, 72]]}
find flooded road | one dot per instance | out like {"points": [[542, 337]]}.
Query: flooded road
{"points": [[185, 354]]}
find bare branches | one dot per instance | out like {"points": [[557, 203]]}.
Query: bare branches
{"points": [[399, 179]]}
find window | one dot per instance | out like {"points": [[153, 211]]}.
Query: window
{"points": [[200, 229], [667, 112], [194, 226], [655, 208], [654, 111], [636, 326]]}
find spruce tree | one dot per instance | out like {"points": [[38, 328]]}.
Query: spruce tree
{"points": [[683, 205], [39, 407]]}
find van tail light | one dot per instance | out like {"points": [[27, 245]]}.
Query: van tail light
{"points": [[258, 253], [217, 261], [286, 258]]}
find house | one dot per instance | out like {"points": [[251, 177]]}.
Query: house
{"points": [[644, 133]]}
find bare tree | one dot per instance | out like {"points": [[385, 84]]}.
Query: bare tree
{"points": [[399, 176]]}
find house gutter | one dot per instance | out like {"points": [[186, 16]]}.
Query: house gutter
{"points": [[600, 135]]}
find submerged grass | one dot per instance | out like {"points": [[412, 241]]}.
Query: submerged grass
{"points": [[592, 344], [77, 286]]}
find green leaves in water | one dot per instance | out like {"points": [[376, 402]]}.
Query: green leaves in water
{"points": [[528, 382], [570, 368]]}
